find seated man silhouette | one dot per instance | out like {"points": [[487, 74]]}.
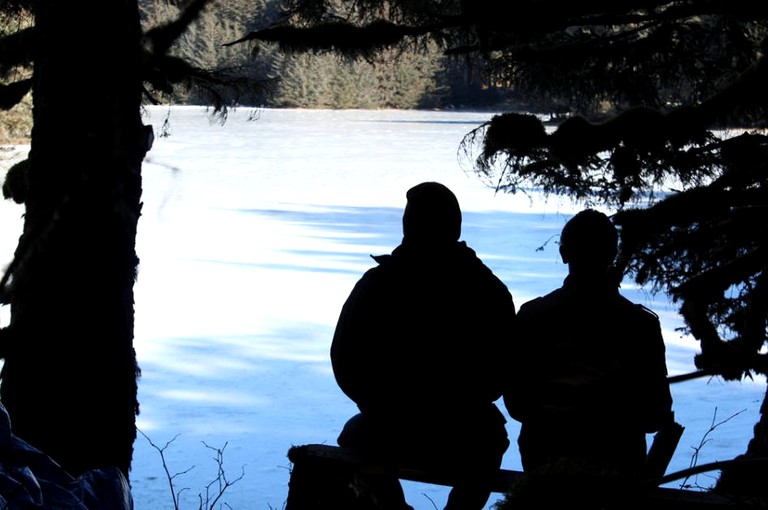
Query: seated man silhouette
{"points": [[587, 369], [419, 348]]}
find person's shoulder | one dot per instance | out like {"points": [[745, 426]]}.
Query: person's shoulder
{"points": [[469, 261], [381, 259], [542, 304], [646, 313], [638, 310], [376, 272]]}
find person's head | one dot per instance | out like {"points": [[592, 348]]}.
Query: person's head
{"points": [[432, 215], [589, 239]]}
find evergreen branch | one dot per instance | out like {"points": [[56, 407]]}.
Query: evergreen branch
{"points": [[11, 95], [163, 37], [16, 49], [338, 36]]}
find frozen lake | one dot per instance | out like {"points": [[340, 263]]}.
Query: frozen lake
{"points": [[253, 233]]}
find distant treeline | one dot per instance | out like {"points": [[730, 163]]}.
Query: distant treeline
{"points": [[395, 79], [404, 80]]}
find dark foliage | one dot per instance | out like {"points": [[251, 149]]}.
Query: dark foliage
{"points": [[571, 483], [337, 36], [662, 110], [645, 91], [164, 74], [645, 86]]}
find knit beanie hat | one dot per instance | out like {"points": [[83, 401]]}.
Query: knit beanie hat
{"points": [[432, 214]]}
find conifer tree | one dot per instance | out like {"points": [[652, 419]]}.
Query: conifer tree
{"points": [[69, 376], [639, 93]]}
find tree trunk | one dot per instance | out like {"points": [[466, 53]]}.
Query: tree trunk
{"points": [[69, 380]]}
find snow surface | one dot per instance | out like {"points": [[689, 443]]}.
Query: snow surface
{"points": [[253, 233]]}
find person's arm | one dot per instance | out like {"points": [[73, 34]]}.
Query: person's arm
{"points": [[656, 396], [348, 347], [502, 320], [518, 390]]}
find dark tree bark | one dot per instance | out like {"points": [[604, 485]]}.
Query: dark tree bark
{"points": [[69, 381]]}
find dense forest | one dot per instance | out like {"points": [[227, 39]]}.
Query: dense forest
{"points": [[394, 79], [400, 79]]}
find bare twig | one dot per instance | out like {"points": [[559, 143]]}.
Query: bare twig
{"points": [[711, 466], [704, 440], [220, 482], [170, 477], [430, 500], [214, 490]]}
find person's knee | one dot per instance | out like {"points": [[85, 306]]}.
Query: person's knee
{"points": [[353, 433]]}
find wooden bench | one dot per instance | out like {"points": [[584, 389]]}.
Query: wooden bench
{"points": [[325, 477]]}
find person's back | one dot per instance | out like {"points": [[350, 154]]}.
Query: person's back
{"points": [[419, 347], [588, 374], [425, 316]]}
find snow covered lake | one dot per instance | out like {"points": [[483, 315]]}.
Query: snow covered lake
{"points": [[253, 233]]}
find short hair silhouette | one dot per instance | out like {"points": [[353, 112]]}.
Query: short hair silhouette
{"points": [[589, 237], [432, 214]]}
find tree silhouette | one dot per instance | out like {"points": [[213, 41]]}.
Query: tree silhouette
{"points": [[647, 91], [69, 378]]}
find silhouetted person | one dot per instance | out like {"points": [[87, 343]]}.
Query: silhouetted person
{"points": [[588, 370], [419, 348]]}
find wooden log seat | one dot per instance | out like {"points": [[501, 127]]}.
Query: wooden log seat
{"points": [[326, 477]]}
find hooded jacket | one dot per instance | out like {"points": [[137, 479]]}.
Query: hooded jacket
{"points": [[424, 333]]}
